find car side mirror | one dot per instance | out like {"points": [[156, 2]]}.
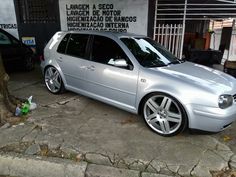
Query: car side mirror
{"points": [[118, 62]]}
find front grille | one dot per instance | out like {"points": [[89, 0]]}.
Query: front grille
{"points": [[234, 96]]}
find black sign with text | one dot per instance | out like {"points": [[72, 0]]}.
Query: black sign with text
{"points": [[103, 17]]}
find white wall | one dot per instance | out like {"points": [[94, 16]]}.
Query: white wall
{"points": [[215, 39], [97, 15], [215, 43], [8, 17], [232, 54]]}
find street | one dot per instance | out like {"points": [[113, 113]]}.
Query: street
{"points": [[104, 140]]}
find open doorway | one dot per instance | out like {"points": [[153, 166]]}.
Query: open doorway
{"points": [[195, 35], [37, 20]]}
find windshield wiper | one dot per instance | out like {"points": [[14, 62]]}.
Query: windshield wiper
{"points": [[182, 60], [174, 62], [178, 61]]}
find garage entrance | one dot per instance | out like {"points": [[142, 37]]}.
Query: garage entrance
{"points": [[37, 20], [196, 21]]}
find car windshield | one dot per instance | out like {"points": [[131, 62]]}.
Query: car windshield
{"points": [[149, 53]]}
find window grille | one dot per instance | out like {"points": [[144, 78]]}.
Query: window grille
{"points": [[37, 11]]}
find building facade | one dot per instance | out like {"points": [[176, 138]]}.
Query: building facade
{"points": [[35, 21]]}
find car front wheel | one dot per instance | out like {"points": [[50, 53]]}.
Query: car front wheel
{"points": [[164, 114], [53, 80]]}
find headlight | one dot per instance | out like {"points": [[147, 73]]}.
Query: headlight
{"points": [[225, 101]]}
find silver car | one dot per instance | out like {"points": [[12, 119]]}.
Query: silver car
{"points": [[134, 73]]}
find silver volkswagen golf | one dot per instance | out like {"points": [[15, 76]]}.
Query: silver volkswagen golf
{"points": [[134, 73]]}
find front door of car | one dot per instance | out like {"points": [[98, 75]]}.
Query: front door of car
{"points": [[116, 84], [71, 57]]}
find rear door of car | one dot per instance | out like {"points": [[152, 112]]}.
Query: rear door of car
{"points": [[117, 85], [72, 59], [10, 48]]}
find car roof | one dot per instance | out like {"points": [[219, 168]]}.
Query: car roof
{"points": [[107, 33]]}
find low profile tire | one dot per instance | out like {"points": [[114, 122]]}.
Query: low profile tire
{"points": [[53, 80], [164, 114]]}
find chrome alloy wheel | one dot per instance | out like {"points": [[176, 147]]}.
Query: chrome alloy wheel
{"points": [[29, 63], [163, 114], [53, 80]]}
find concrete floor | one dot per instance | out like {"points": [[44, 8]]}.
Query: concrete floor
{"points": [[109, 136]]}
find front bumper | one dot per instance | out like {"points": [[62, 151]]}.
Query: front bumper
{"points": [[210, 119]]}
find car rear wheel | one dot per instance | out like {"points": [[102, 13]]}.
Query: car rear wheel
{"points": [[53, 80], [29, 63], [164, 114]]}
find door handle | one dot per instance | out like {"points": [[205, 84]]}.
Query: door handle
{"points": [[59, 59], [91, 68]]}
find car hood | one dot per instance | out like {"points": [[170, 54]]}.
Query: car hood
{"points": [[201, 76]]}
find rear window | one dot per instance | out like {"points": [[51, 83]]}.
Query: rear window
{"points": [[62, 46], [77, 45]]}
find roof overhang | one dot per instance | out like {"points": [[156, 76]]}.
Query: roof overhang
{"points": [[196, 9]]}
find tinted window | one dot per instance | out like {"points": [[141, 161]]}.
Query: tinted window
{"points": [[62, 46], [4, 39], [149, 53], [15, 42], [77, 45], [105, 49]]}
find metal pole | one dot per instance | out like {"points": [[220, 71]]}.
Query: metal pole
{"points": [[187, 19], [227, 1], [183, 29], [197, 14], [198, 4], [197, 9], [231, 41], [155, 21]]}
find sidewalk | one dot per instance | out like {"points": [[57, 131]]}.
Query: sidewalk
{"points": [[102, 140]]}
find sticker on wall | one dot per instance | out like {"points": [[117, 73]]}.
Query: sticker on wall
{"points": [[30, 41]]}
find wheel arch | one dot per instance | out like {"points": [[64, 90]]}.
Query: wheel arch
{"points": [[58, 68], [63, 88], [46, 67]]}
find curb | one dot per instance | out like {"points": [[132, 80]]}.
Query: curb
{"points": [[19, 165]]}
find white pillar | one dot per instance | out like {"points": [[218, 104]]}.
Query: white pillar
{"points": [[183, 29], [155, 21], [231, 41]]}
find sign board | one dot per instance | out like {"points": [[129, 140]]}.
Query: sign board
{"points": [[8, 17], [105, 15], [30, 41]]}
